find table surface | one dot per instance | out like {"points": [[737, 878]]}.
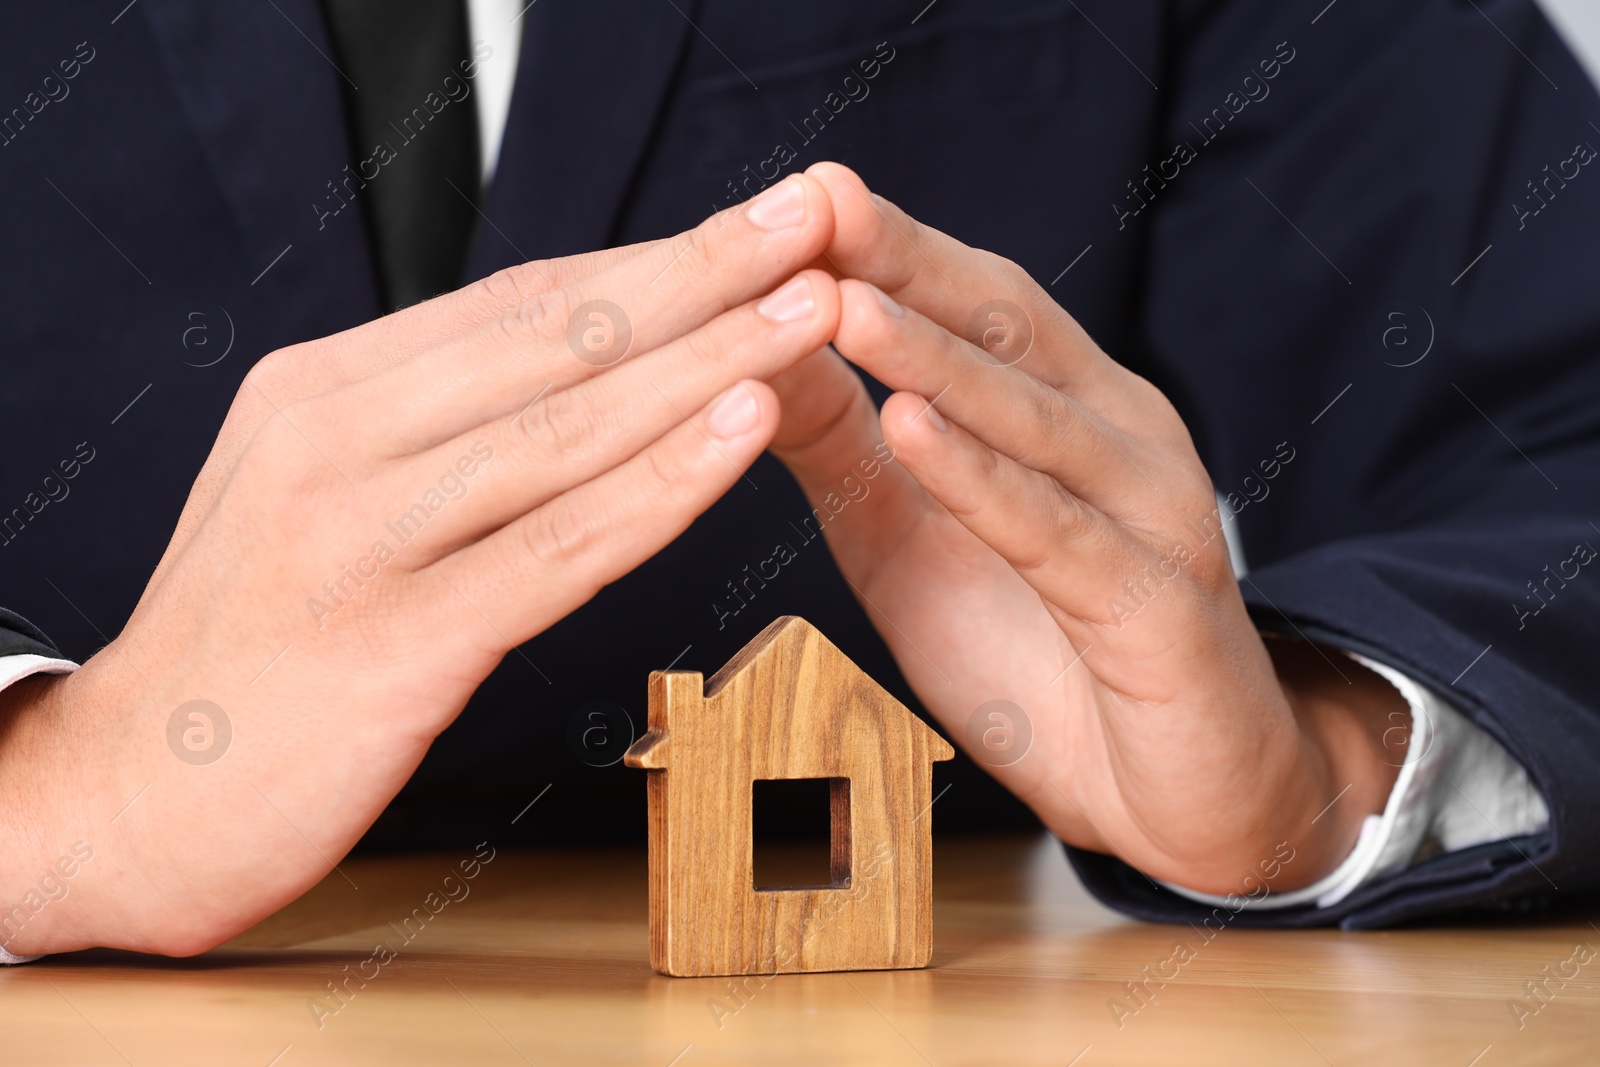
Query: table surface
{"points": [[544, 960]]}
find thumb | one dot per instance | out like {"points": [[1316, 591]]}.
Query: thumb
{"points": [[830, 439], [828, 418]]}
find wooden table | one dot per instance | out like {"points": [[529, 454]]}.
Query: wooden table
{"points": [[543, 960]]}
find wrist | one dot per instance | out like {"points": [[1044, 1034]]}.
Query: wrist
{"points": [[1346, 716], [47, 847]]}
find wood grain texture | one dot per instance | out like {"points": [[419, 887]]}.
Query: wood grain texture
{"points": [[789, 705], [547, 962]]}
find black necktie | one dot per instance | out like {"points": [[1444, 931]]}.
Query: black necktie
{"points": [[415, 125]]}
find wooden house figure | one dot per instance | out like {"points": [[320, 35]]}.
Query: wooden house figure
{"points": [[790, 705]]}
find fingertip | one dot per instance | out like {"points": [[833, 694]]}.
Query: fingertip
{"points": [[828, 297], [911, 423], [852, 206], [837, 178], [898, 410], [803, 311], [870, 233], [868, 317], [820, 202], [775, 211], [748, 410], [821, 215], [770, 413], [765, 396]]}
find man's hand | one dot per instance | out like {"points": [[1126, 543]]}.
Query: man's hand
{"points": [[385, 515], [1048, 537]]}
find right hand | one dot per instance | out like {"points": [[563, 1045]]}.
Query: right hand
{"points": [[1033, 508], [334, 686]]}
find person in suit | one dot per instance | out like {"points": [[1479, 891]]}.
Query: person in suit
{"points": [[1194, 399]]}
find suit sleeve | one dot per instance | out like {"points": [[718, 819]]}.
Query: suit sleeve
{"points": [[19, 637], [1381, 262]]}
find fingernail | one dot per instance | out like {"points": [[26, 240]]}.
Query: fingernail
{"points": [[935, 419], [736, 414], [790, 303], [780, 207]]}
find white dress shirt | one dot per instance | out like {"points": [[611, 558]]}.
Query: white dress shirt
{"points": [[497, 23]]}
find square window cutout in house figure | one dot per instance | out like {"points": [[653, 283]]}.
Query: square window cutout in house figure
{"points": [[800, 833]]}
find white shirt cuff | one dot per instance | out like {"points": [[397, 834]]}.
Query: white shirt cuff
{"points": [[1457, 788], [14, 669]]}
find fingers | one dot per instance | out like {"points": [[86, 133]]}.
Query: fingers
{"points": [[567, 438], [1062, 546], [536, 570], [974, 294], [316, 367], [313, 368], [572, 333], [1014, 413], [293, 374], [821, 394], [463, 382], [480, 303], [1094, 574]]}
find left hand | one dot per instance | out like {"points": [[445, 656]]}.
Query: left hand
{"points": [[1047, 535]]}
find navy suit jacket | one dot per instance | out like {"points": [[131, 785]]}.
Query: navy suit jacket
{"points": [[1365, 234]]}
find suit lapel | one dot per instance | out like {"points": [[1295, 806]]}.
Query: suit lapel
{"points": [[259, 88], [590, 86]]}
